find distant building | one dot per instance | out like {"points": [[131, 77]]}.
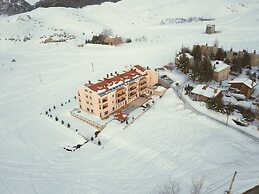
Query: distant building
{"points": [[254, 58], [116, 90], [207, 50], [221, 70], [111, 40], [243, 85], [210, 29], [204, 92]]}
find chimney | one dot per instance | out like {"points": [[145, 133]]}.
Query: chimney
{"points": [[111, 74], [254, 51], [89, 81], [116, 72], [107, 75]]}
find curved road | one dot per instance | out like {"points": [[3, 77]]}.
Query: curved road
{"points": [[179, 90]]}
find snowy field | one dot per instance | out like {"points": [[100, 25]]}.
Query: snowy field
{"points": [[167, 142]]}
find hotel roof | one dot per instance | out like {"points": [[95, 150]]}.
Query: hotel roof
{"points": [[116, 80]]}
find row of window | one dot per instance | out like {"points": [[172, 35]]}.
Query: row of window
{"points": [[88, 109]]}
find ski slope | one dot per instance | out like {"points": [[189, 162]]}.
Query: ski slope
{"points": [[167, 142]]}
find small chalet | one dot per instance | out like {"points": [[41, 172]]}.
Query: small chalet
{"points": [[112, 40], [221, 70], [243, 85], [204, 92], [210, 29]]}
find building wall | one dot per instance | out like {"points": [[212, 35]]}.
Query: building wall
{"points": [[210, 29], [243, 89], [113, 40], [253, 56], [221, 75], [207, 50], [91, 102]]}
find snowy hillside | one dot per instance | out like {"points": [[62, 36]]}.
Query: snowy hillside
{"points": [[168, 142]]}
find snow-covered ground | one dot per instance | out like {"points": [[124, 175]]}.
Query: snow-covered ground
{"points": [[168, 141]]}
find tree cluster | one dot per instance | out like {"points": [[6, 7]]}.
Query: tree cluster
{"points": [[201, 70], [97, 39], [69, 3]]}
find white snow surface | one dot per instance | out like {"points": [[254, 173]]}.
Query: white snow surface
{"points": [[167, 142], [219, 65]]}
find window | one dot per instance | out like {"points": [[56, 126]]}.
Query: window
{"points": [[113, 108], [87, 102], [80, 106], [91, 103], [86, 96], [92, 110], [106, 112], [90, 97], [78, 94], [86, 90], [79, 100], [88, 109]]}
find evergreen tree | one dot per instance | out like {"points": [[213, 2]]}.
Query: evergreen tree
{"points": [[206, 70], [220, 54], [196, 53], [246, 60], [184, 63]]}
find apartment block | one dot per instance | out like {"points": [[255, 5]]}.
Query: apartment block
{"points": [[116, 90]]}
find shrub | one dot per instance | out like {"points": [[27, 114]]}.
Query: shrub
{"points": [[61, 104], [62, 122], [91, 138], [46, 112], [54, 107], [56, 118], [99, 142], [128, 40], [68, 125]]}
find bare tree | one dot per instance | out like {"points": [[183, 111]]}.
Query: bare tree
{"points": [[107, 32], [171, 187], [197, 186]]}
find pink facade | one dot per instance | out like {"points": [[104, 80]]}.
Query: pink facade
{"points": [[116, 91]]}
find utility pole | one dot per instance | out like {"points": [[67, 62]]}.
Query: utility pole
{"points": [[92, 66], [40, 78], [231, 184]]}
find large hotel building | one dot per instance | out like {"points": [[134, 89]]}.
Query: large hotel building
{"points": [[116, 90]]}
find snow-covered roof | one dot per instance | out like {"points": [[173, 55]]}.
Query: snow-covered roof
{"points": [[248, 82], [206, 91], [219, 66], [188, 56], [160, 89]]}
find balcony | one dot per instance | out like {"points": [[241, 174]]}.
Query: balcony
{"points": [[105, 100], [133, 93], [121, 100], [132, 88], [121, 94], [105, 106], [142, 82]]}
